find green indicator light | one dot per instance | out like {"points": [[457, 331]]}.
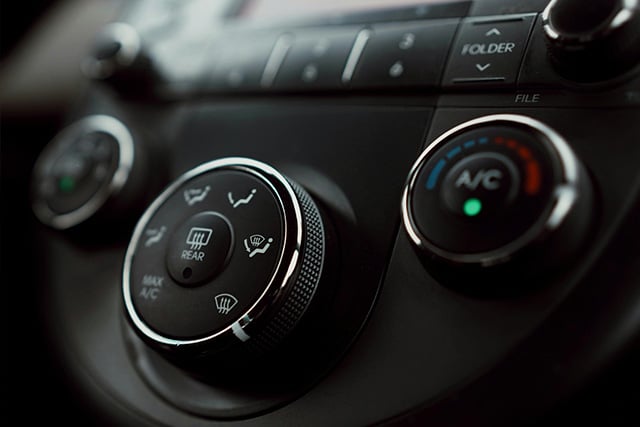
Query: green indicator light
{"points": [[472, 207], [66, 184]]}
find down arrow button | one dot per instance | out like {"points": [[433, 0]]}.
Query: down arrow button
{"points": [[488, 51]]}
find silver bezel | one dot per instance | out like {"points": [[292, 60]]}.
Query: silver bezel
{"points": [[288, 260], [564, 193], [126, 154], [626, 12]]}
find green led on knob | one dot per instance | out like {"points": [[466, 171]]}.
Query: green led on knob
{"points": [[66, 184], [472, 207]]}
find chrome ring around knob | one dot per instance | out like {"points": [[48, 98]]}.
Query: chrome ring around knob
{"points": [[551, 186], [108, 174], [256, 307]]}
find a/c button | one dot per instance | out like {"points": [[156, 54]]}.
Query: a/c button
{"points": [[480, 184]]}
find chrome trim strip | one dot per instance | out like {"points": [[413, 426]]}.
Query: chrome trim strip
{"points": [[279, 52], [354, 56]]}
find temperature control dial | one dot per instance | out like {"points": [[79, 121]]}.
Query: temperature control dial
{"points": [[493, 187], [229, 254], [82, 172]]}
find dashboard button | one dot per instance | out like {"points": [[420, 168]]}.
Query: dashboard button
{"points": [[316, 59], [488, 51], [481, 185], [405, 55], [238, 63], [199, 248]]}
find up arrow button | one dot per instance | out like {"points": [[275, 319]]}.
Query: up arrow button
{"points": [[488, 51]]}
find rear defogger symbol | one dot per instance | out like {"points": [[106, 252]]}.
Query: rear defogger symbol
{"points": [[198, 237]]}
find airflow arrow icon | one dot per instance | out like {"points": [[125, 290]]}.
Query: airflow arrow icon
{"points": [[482, 67]]}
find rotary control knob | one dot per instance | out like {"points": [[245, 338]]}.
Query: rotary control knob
{"points": [[116, 48], [83, 171], [229, 256], [593, 40], [118, 57], [493, 188]]}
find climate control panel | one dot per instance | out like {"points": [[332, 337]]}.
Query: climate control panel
{"points": [[493, 186]]}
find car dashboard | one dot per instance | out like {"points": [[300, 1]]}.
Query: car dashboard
{"points": [[268, 212]]}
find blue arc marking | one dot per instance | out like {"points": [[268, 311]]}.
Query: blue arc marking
{"points": [[454, 152], [433, 176], [432, 181], [469, 144]]}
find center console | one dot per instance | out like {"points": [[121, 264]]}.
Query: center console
{"points": [[413, 213]]}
